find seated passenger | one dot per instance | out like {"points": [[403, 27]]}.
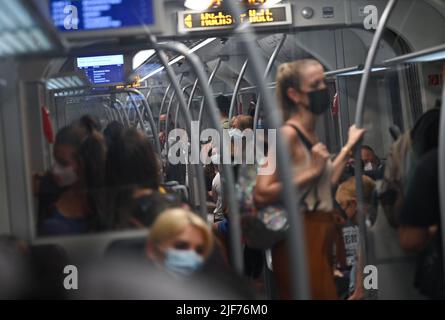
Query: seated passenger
{"points": [[14, 268], [180, 242], [132, 172], [79, 152], [346, 197], [372, 166]]}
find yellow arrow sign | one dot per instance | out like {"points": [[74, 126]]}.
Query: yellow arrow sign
{"points": [[188, 21]]}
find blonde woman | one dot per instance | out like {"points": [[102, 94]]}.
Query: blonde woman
{"points": [[180, 241], [303, 97]]}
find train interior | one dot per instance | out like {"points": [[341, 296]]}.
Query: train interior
{"points": [[50, 78]]}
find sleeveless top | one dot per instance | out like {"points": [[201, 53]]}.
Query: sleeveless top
{"points": [[318, 194]]}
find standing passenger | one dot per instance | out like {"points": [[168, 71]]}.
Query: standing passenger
{"points": [[303, 97]]}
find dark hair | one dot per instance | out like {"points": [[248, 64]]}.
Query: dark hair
{"points": [[223, 103], [131, 164], [112, 132], [244, 122], [147, 208], [90, 153], [131, 161], [366, 147]]}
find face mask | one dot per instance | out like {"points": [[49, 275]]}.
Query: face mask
{"points": [[183, 262], [368, 166], [65, 175], [235, 134], [319, 101]]}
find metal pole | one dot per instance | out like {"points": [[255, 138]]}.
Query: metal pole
{"points": [[290, 195], [197, 168], [161, 108], [150, 116], [227, 177], [122, 108], [442, 170], [212, 76], [192, 93], [359, 123], [167, 115], [137, 114], [119, 114], [177, 109], [237, 87], [270, 64]]}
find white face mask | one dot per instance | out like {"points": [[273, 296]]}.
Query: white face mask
{"points": [[65, 175], [235, 133], [368, 166]]}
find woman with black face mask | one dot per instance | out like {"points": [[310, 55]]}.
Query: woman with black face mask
{"points": [[303, 97]]}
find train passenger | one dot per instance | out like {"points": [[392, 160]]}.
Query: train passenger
{"points": [[419, 229], [79, 152], [372, 166], [217, 193], [112, 132], [14, 268], [132, 172], [180, 242], [223, 104], [303, 97], [346, 197]]}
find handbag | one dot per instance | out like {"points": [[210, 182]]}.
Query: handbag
{"points": [[263, 228]]}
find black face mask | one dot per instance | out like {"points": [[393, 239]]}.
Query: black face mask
{"points": [[319, 101]]}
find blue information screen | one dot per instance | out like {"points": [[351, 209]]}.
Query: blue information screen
{"points": [[88, 15], [103, 70]]}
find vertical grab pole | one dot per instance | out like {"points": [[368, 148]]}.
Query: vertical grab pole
{"points": [[192, 93], [359, 123], [290, 194], [270, 64], [137, 114], [177, 109], [167, 115], [198, 169], [236, 89], [161, 108], [228, 179], [121, 118], [212, 76], [442, 170], [132, 92]]}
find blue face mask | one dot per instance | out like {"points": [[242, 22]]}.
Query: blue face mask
{"points": [[183, 262]]}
